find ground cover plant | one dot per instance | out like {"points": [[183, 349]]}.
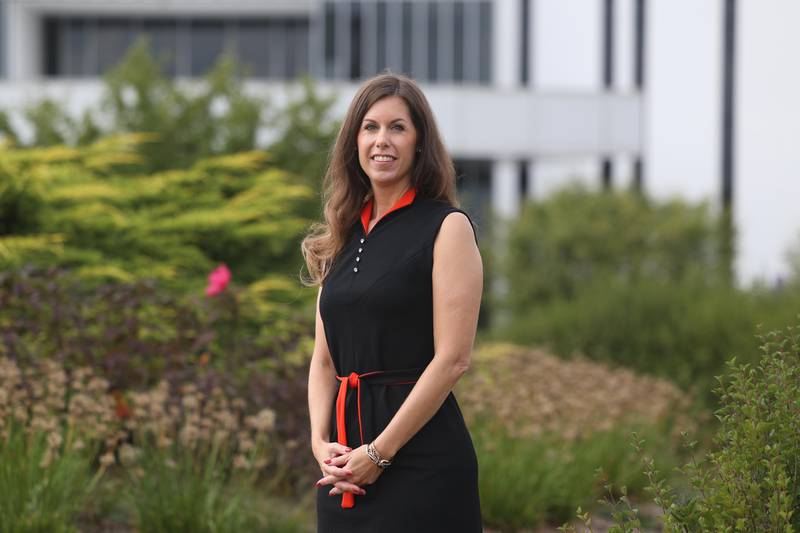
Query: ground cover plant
{"points": [[749, 480]]}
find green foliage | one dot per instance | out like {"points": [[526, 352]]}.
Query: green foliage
{"points": [[44, 486], [527, 482], [750, 481], [632, 282], [577, 237], [215, 117], [305, 134], [90, 209]]}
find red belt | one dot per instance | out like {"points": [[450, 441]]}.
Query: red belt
{"points": [[353, 381]]}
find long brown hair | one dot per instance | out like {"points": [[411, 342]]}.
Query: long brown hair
{"points": [[346, 186]]}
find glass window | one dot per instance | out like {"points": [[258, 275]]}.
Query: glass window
{"points": [[207, 45], [251, 45], [433, 25], [355, 35], [485, 48], [407, 37], [162, 36], [114, 37], [330, 38], [76, 59], [458, 41], [382, 61], [276, 48], [298, 52]]}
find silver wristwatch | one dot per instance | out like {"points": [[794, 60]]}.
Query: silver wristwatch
{"points": [[375, 457]]}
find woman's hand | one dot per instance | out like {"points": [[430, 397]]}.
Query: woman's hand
{"points": [[364, 471], [329, 456]]}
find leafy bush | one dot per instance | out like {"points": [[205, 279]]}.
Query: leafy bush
{"points": [[632, 282], [89, 209], [577, 237], [751, 480]]}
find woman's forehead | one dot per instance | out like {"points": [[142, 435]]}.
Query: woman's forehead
{"points": [[390, 108]]}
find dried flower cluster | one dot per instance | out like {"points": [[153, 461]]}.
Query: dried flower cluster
{"points": [[76, 409], [531, 392]]}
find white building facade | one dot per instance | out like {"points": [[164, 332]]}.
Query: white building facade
{"points": [[529, 94]]}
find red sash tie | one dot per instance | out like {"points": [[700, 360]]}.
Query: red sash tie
{"points": [[353, 381]]}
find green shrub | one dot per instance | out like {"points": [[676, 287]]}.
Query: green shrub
{"points": [[750, 481], [90, 209], [632, 282]]}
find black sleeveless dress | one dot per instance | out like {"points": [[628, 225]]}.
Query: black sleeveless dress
{"points": [[377, 313]]}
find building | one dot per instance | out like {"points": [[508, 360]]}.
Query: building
{"points": [[529, 94]]}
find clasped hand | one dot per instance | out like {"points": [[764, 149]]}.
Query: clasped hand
{"points": [[345, 468]]}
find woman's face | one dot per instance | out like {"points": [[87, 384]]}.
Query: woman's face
{"points": [[387, 141]]}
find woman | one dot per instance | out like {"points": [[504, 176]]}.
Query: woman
{"points": [[400, 279]]}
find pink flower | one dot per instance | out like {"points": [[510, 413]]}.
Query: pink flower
{"points": [[218, 280]]}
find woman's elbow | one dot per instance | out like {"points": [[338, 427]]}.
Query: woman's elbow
{"points": [[460, 366]]}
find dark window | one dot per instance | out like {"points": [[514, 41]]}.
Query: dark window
{"points": [[207, 45], [329, 27], [251, 44], [485, 49], [114, 37], [407, 37], [51, 46], [162, 37], [81, 46], [432, 40], [298, 55], [77, 53], [458, 41], [381, 44], [355, 36]]}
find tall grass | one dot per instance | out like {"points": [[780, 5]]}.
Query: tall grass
{"points": [[43, 485], [526, 482], [186, 493]]}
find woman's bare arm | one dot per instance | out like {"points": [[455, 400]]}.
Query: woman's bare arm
{"points": [[321, 384], [321, 390], [457, 287]]}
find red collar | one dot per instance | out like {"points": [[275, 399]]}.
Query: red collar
{"points": [[366, 211]]}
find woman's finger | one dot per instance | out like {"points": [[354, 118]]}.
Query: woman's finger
{"points": [[337, 471], [339, 460], [330, 480], [339, 449], [346, 486], [334, 491]]}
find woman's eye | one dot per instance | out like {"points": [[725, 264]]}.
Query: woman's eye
{"points": [[398, 127]]}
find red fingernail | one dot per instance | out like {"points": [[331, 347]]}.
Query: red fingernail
{"points": [[327, 461], [348, 449], [349, 472], [317, 484]]}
